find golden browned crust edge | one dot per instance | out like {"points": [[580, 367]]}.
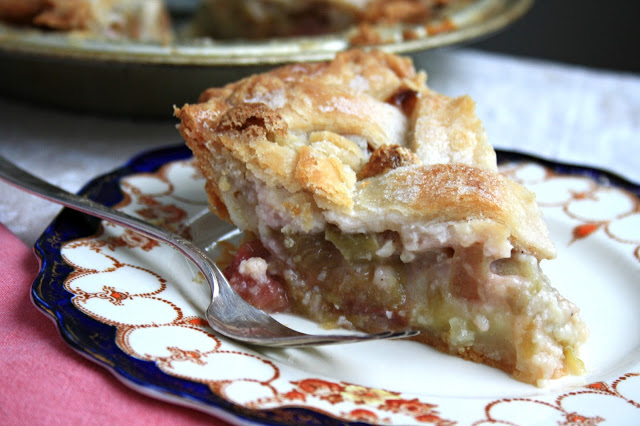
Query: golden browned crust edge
{"points": [[203, 158], [90, 18], [20, 11]]}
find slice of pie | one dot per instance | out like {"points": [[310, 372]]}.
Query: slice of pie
{"points": [[141, 20], [375, 203]]}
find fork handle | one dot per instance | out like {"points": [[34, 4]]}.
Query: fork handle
{"points": [[21, 179], [234, 317]]}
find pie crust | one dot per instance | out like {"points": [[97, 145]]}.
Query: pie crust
{"points": [[141, 20], [378, 205], [149, 20], [257, 19]]}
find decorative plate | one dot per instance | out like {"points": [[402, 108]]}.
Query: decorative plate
{"points": [[136, 307], [145, 79]]}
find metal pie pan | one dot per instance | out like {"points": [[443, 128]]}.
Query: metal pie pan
{"points": [[146, 80]]}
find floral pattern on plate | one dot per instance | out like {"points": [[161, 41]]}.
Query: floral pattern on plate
{"points": [[137, 306]]}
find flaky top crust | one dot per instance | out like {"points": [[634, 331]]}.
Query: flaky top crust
{"points": [[368, 142]]}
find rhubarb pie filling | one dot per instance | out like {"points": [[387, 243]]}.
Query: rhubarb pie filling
{"points": [[462, 301], [374, 203]]}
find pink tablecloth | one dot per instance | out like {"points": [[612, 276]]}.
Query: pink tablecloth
{"points": [[43, 381]]}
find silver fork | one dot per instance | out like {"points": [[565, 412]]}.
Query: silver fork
{"points": [[228, 314]]}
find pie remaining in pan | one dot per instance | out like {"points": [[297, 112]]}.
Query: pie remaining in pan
{"points": [[256, 19], [142, 20], [371, 202], [149, 20]]}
